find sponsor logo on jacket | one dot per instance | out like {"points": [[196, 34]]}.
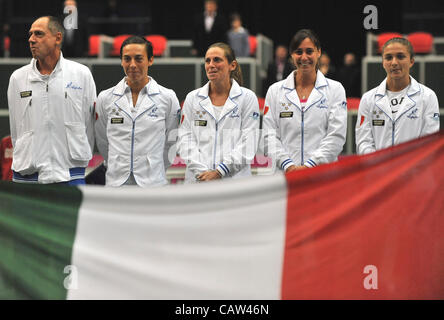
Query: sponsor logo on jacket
{"points": [[413, 114]]}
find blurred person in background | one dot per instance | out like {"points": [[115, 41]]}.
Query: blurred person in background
{"points": [[75, 43], [209, 27], [238, 37], [279, 68], [350, 76], [325, 66]]}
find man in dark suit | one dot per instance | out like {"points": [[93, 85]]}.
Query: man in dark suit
{"points": [[350, 76], [278, 69], [209, 27]]}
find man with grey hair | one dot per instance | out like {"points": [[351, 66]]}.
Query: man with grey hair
{"points": [[51, 106]]}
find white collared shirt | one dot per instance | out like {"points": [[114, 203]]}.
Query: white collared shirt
{"points": [[209, 21]]}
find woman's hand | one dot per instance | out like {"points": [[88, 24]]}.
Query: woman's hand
{"points": [[294, 168], [209, 175]]}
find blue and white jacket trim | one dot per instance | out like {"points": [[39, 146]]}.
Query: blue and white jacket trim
{"points": [[310, 163], [223, 169]]}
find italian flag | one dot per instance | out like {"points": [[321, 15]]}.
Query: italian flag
{"points": [[366, 227]]}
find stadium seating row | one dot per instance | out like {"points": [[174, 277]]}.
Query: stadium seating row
{"points": [[159, 44], [422, 42]]}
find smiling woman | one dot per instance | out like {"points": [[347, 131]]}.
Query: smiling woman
{"points": [[136, 121], [218, 136]]}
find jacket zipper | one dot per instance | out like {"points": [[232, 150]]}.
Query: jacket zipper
{"points": [[215, 147], [132, 148], [393, 133], [302, 138]]}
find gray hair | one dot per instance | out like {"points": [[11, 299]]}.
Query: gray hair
{"points": [[55, 25]]}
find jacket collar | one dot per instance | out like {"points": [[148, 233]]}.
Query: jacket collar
{"points": [[381, 90], [151, 89], [35, 74], [230, 104], [321, 81], [315, 96], [383, 103]]}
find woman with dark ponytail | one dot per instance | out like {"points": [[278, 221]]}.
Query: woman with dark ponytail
{"points": [[219, 131]]}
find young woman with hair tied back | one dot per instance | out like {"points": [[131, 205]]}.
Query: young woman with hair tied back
{"points": [[218, 135], [400, 108], [305, 115]]}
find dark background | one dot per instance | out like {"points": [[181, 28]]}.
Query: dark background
{"points": [[339, 24]]}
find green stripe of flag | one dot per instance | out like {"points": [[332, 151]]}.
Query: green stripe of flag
{"points": [[37, 230]]}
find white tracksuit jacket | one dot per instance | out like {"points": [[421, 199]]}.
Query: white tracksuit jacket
{"points": [[377, 128], [51, 120], [137, 140], [228, 145], [312, 137]]}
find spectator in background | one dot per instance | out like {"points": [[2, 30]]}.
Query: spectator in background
{"points": [[279, 68], [209, 27], [111, 9], [350, 76], [238, 37], [6, 158], [325, 66], [75, 43]]}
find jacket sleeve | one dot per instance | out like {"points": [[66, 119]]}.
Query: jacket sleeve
{"points": [[12, 109], [333, 142], [100, 126], [171, 125], [272, 143], [89, 101], [188, 147], [430, 121], [365, 142], [245, 148]]}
